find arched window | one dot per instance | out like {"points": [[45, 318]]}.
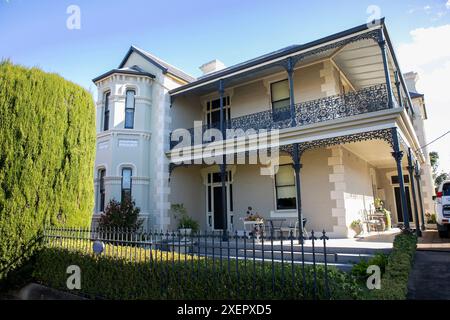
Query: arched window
{"points": [[129, 109], [127, 173], [106, 111], [101, 191]]}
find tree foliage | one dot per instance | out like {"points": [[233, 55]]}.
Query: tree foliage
{"points": [[47, 144], [438, 177]]}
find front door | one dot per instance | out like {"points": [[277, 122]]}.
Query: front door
{"points": [[398, 204], [218, 208]]}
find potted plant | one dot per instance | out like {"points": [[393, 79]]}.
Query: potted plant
{"points": [[357, 227], [186, 225], [379, 208], [430, 219], [253, 216]]}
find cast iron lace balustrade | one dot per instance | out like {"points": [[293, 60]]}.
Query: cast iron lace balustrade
{"points": [[370, 99]]}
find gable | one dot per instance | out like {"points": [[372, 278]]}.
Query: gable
{"points": [[135, 59]]}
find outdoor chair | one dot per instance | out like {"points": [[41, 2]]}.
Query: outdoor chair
{"points": [[295, 227], [373, 223], [275, 227]]}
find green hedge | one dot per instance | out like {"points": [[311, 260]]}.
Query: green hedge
{"points": [[394, 283], [47, 147], [164, 278]]}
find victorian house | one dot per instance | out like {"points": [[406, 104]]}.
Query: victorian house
{"points": [[349, 129]]}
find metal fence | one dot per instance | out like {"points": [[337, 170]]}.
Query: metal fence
{"points": [[248, 265]]}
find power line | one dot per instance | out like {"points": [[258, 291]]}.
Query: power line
{"points": [[434, 141]]}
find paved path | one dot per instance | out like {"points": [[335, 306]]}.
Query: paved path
{"points": [[430, 276]]}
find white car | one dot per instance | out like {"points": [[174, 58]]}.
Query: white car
{"points": [[443, 209]]}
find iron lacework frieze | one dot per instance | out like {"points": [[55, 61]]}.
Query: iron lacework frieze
{"points": [[370, 99], [383, 134]]}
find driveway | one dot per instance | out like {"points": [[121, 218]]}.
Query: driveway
{"points": [[430, 276]]}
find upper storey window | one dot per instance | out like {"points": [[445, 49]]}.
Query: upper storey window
{"points": [[213, 112], [129, 109], [280, 94], [106, 111]]}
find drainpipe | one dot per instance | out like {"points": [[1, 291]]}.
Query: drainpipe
{"points": [[398, 155], [411, 177], [223, 166]]}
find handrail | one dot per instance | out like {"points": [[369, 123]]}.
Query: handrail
{"points": [[366, 100]]}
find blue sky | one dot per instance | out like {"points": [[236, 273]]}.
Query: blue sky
{"points": [[190, 33]]}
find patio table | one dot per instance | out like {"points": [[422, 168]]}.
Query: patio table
{"points": [[255, 226]]}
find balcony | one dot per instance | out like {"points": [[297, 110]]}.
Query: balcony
{"points": [[367, 100]]}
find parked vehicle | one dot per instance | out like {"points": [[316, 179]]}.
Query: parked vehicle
{"points": [[443, 209]]}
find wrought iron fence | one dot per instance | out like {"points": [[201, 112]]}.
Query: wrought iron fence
{"points": [[370, 99], [243, 266]]}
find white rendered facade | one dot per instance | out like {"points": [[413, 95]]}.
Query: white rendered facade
{"points": [[348, 177]]}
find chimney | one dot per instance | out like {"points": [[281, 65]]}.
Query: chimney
{"points": [[212, 66], [411, 79]]}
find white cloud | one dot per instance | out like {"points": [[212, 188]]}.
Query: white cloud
{"points": [[428, 53], [447, 5]]}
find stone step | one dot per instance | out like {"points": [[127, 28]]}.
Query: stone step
{"points": [[287, 255], [347, 267]]}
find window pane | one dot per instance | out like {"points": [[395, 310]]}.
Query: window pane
{"points": [[446, 189], [285, 176], [106, 111], [281, 104], [286, 192], [129, 118], [280, 90], [126, 178], [107, 100], [102, 179], [286, 198], [130, 99], [216, 104], [106, 123]]}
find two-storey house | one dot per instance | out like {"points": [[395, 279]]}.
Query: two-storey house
{"points": [[344, 127]]}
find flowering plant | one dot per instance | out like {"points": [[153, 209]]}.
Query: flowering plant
{"points": [[252, 216]]}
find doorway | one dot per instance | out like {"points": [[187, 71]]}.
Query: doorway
{"points": [[219, 221], [214, 209]]}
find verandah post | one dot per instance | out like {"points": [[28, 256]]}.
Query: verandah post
{"points": [[419, 192], [223, 167], [382, 44], [398, 155], [413, 189], [296, 152]]}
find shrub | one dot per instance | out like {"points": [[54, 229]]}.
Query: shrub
{"points": [[47, 144], [184, 221], [134, 273], [122, 214], [395, 280], [359, 270]]}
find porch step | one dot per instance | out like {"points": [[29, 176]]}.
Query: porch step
{"points": [[288, 256], [346, 267], [287, 248]]}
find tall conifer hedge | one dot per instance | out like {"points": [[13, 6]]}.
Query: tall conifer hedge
{"points": [[47, 148]]}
